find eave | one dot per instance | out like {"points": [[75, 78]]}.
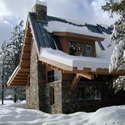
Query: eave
{"points": [[69, 69], [73, 35], [20, 76], [87, 73]]}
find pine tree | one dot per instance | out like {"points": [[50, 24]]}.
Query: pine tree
{"points": [[10, 54], [16, 45], [118, 36]]}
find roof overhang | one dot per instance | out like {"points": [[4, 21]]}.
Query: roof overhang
{"points": [[73, 35], [70, 69], [20, 76]]}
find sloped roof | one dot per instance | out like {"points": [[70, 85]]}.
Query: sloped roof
{"points": [[43, 38], [46, 39], [39, 30]]}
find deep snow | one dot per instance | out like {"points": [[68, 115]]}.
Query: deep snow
{"points": [[17, 114]]}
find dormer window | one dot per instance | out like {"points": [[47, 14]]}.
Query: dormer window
{"points": [[77, 44], [81, 49]]}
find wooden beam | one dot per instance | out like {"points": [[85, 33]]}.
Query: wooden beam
{"points": [[78, 36], [85, 70], [24, 64], [55, 64], [26, 70], [86, 75], [106, 72], [13, 75], [28, 40], [20, 78], [75, 82], [25, 56], [26, 48], [17, 85], [28, 31], [18, 81]]}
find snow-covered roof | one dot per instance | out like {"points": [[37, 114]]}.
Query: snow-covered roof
{"points": [[74, 61], [56, 26], [102, 59]]}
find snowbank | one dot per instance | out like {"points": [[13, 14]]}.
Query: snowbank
{"points": [[17, 114]]}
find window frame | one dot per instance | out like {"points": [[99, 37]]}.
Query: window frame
{"points": [[53, 75], [85, 43], [82, 93]]}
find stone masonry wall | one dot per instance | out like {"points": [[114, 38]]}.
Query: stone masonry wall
{"points": [[69, 99], [70, 102], [34, 93], [41, 85], [57, 106]]}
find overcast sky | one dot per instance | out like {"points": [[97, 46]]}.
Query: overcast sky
{"points": [[12, 11]]}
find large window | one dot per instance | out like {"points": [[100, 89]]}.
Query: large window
{"points": [[88, 93], [80, 49], [54, 75]]}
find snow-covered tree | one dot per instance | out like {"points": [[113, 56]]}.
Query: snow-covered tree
{"points": [[118, 36], [10, 54]]}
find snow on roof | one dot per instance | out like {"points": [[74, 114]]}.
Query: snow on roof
{"points": [[108, 50], [56, 26], [74, 61], [103, 25], [76, 21], [102, 59]]}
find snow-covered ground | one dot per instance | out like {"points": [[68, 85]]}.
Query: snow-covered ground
{"points": [[17, 114]]}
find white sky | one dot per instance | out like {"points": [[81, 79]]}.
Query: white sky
{"points": [[12, 11]]}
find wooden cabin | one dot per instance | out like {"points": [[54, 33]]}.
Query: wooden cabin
{"points": [[64, 65]]}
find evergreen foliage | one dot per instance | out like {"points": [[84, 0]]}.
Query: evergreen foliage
{"points": [[10, 55], [118, 36]]}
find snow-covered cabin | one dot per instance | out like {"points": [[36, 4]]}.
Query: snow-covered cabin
{"points": [[64, 65]]}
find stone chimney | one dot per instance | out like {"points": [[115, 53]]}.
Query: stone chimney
{"points": [[40, 8]]}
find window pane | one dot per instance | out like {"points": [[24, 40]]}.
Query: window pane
{"points": [[81, 93], [49, 73], [89, 51], [52, 79], [72, 48], [81, 49], [54, 75], [49, 79], [89, 93], [52, 100], [97, 93], [52, 72]]}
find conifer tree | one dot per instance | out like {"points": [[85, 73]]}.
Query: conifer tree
{"points": [[10, 55], [118, 36]]}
